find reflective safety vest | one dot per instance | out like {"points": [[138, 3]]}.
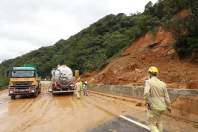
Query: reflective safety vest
{"points": [[79, 86]]}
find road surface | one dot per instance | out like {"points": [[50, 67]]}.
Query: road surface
{"points": [[94, 113]]}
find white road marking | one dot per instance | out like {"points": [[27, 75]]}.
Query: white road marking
{"points": [[135, 122]]}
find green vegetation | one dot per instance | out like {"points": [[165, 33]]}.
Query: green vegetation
{"points": [[185, 29], [91, 48], [3, 81]]}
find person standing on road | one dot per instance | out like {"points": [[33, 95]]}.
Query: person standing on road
{"points": [[85, 86], [157, 100], [78, 87]]}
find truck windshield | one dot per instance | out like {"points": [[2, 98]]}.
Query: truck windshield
{"points": [[22, 73]]}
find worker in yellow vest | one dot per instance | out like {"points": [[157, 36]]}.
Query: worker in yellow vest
{"points": [[78, 88], [157, 100]]}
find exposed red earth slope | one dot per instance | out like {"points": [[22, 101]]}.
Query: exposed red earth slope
{"points": [[149, 50]]}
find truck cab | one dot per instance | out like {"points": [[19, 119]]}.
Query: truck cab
{"points": [[24, 81]]}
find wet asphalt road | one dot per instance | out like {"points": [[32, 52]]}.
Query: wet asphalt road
{"points": [[118, 125], [48, 113], [94, 113]]}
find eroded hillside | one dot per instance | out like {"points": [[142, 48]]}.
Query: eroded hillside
{"points": [[150, 50]]}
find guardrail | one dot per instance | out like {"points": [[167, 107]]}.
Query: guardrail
{"points": [[138, 91]]}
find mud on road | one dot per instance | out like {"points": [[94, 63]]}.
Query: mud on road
{"points": [[48, 113]]}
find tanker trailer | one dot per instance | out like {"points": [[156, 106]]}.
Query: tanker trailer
{"points": [[63, 80]]}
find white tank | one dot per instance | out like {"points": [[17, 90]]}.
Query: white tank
{"points": [[64, 71]]}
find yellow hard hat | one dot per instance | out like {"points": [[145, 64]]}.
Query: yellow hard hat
{"points": [[153, 69]]}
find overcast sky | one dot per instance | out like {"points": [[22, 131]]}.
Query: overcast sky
{"points": [[26, 25]]}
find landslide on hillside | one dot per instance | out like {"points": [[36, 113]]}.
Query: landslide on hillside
{"points": [[149, 50]]}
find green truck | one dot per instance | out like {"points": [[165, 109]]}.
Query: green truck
{"points": [[24, 80]]}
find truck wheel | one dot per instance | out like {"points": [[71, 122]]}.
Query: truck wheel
{"points": [[54, 94], [13, 97], [36, 93], [39, 88]]}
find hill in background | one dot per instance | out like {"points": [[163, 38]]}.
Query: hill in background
{"points": [[93, 48]]}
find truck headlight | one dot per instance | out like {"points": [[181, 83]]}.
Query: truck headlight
{"points": [[11, 91], [32, 90]]}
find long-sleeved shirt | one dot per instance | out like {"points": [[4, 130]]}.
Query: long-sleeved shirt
{"points": [[78, 86], [155, 93]]}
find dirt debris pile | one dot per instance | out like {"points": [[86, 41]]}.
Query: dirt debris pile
{"points": [[149, 50]]}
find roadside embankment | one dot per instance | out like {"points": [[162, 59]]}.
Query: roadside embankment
{"points": [[184, 101]]}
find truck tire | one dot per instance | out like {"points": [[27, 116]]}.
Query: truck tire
{"points": [[54, 94], [13, 97], [39, 88], [36, 93]]}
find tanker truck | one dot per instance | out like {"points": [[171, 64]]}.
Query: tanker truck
{"points": [[62, 80]]}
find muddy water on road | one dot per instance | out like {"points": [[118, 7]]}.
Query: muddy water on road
{"points": [[48, 113]]}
